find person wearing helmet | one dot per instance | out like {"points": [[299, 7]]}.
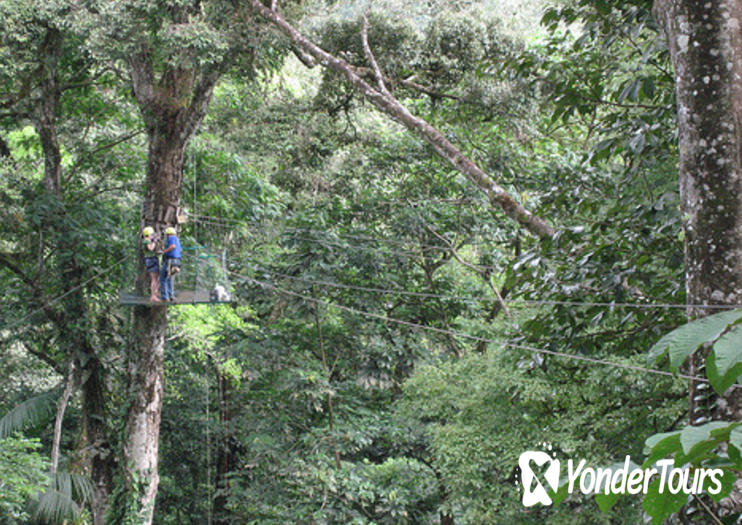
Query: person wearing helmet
{"points": [[151, 262], [170, 264]]}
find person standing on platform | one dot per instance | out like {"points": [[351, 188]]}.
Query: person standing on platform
{"points": [[170, 264], [151, 262]]}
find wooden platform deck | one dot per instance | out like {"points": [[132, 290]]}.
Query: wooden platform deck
{"points": [[181, 297]]}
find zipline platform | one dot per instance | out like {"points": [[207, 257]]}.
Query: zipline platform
{"points": [[181, 297], [203, 272]]}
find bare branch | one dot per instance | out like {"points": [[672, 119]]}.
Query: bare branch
{"points": [[386, 103], [474, 267], [708, 511], [408, 83], [370, 56]]}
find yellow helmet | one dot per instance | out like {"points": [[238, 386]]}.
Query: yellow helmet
{"points": [[148, 231], [170, 230]]}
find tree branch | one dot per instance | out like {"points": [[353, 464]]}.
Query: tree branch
{"points": [[200, 101], [388, 104], [142, 77], [44, 357], [5, 260], [370, 56], [408, 83], [35, 292], [61, 407], [303, 57], [100, 148], [474, 267]]}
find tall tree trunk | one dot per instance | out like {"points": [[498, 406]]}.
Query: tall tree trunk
{"points": [[46, 126], [705, 43], [61, 408], [145, 367], [99, 461], [141, 443], [170, 123]]}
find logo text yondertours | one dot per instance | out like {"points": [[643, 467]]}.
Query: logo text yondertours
{"points": [[627, 478]]}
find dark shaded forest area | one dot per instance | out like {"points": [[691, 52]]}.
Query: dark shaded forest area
{"points": [[448, 233]]}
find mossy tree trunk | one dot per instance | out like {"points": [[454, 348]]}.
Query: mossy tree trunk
{"points": [[705, 43], [74, 319]]}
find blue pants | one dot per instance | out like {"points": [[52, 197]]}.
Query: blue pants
{"points": [[166, 282]]}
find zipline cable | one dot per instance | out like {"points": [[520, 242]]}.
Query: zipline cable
{"points": [[513, 302], [409, 254], [65, 294], [517, 302], [587, 359], [225, 221], [390, 291]]}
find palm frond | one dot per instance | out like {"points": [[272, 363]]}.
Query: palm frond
{"points": [[63, 500], [77, 486], [30, 412]]}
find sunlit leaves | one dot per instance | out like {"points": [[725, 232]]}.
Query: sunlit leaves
{"points": [[721, 332]]}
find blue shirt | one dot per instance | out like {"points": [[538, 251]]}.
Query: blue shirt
{"points": [[174, 253]]}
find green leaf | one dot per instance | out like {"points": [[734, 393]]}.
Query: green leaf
{"points": [[63, 499], [728, 349], [648, 87], [29, 413], [661, 445], [551, 17], [735, 438], [561, 493], [606, 501], [662, 505], [698, 442], [602, 7], [721, 382], [725, 362], [692, 436], [686, 339]]}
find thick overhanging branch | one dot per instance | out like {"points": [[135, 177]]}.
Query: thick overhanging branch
{"points": [[386, 103], [142, 77], [200, 102]]}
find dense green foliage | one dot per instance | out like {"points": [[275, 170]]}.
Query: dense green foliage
{"points": [[22, 470], [367, 372]]}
